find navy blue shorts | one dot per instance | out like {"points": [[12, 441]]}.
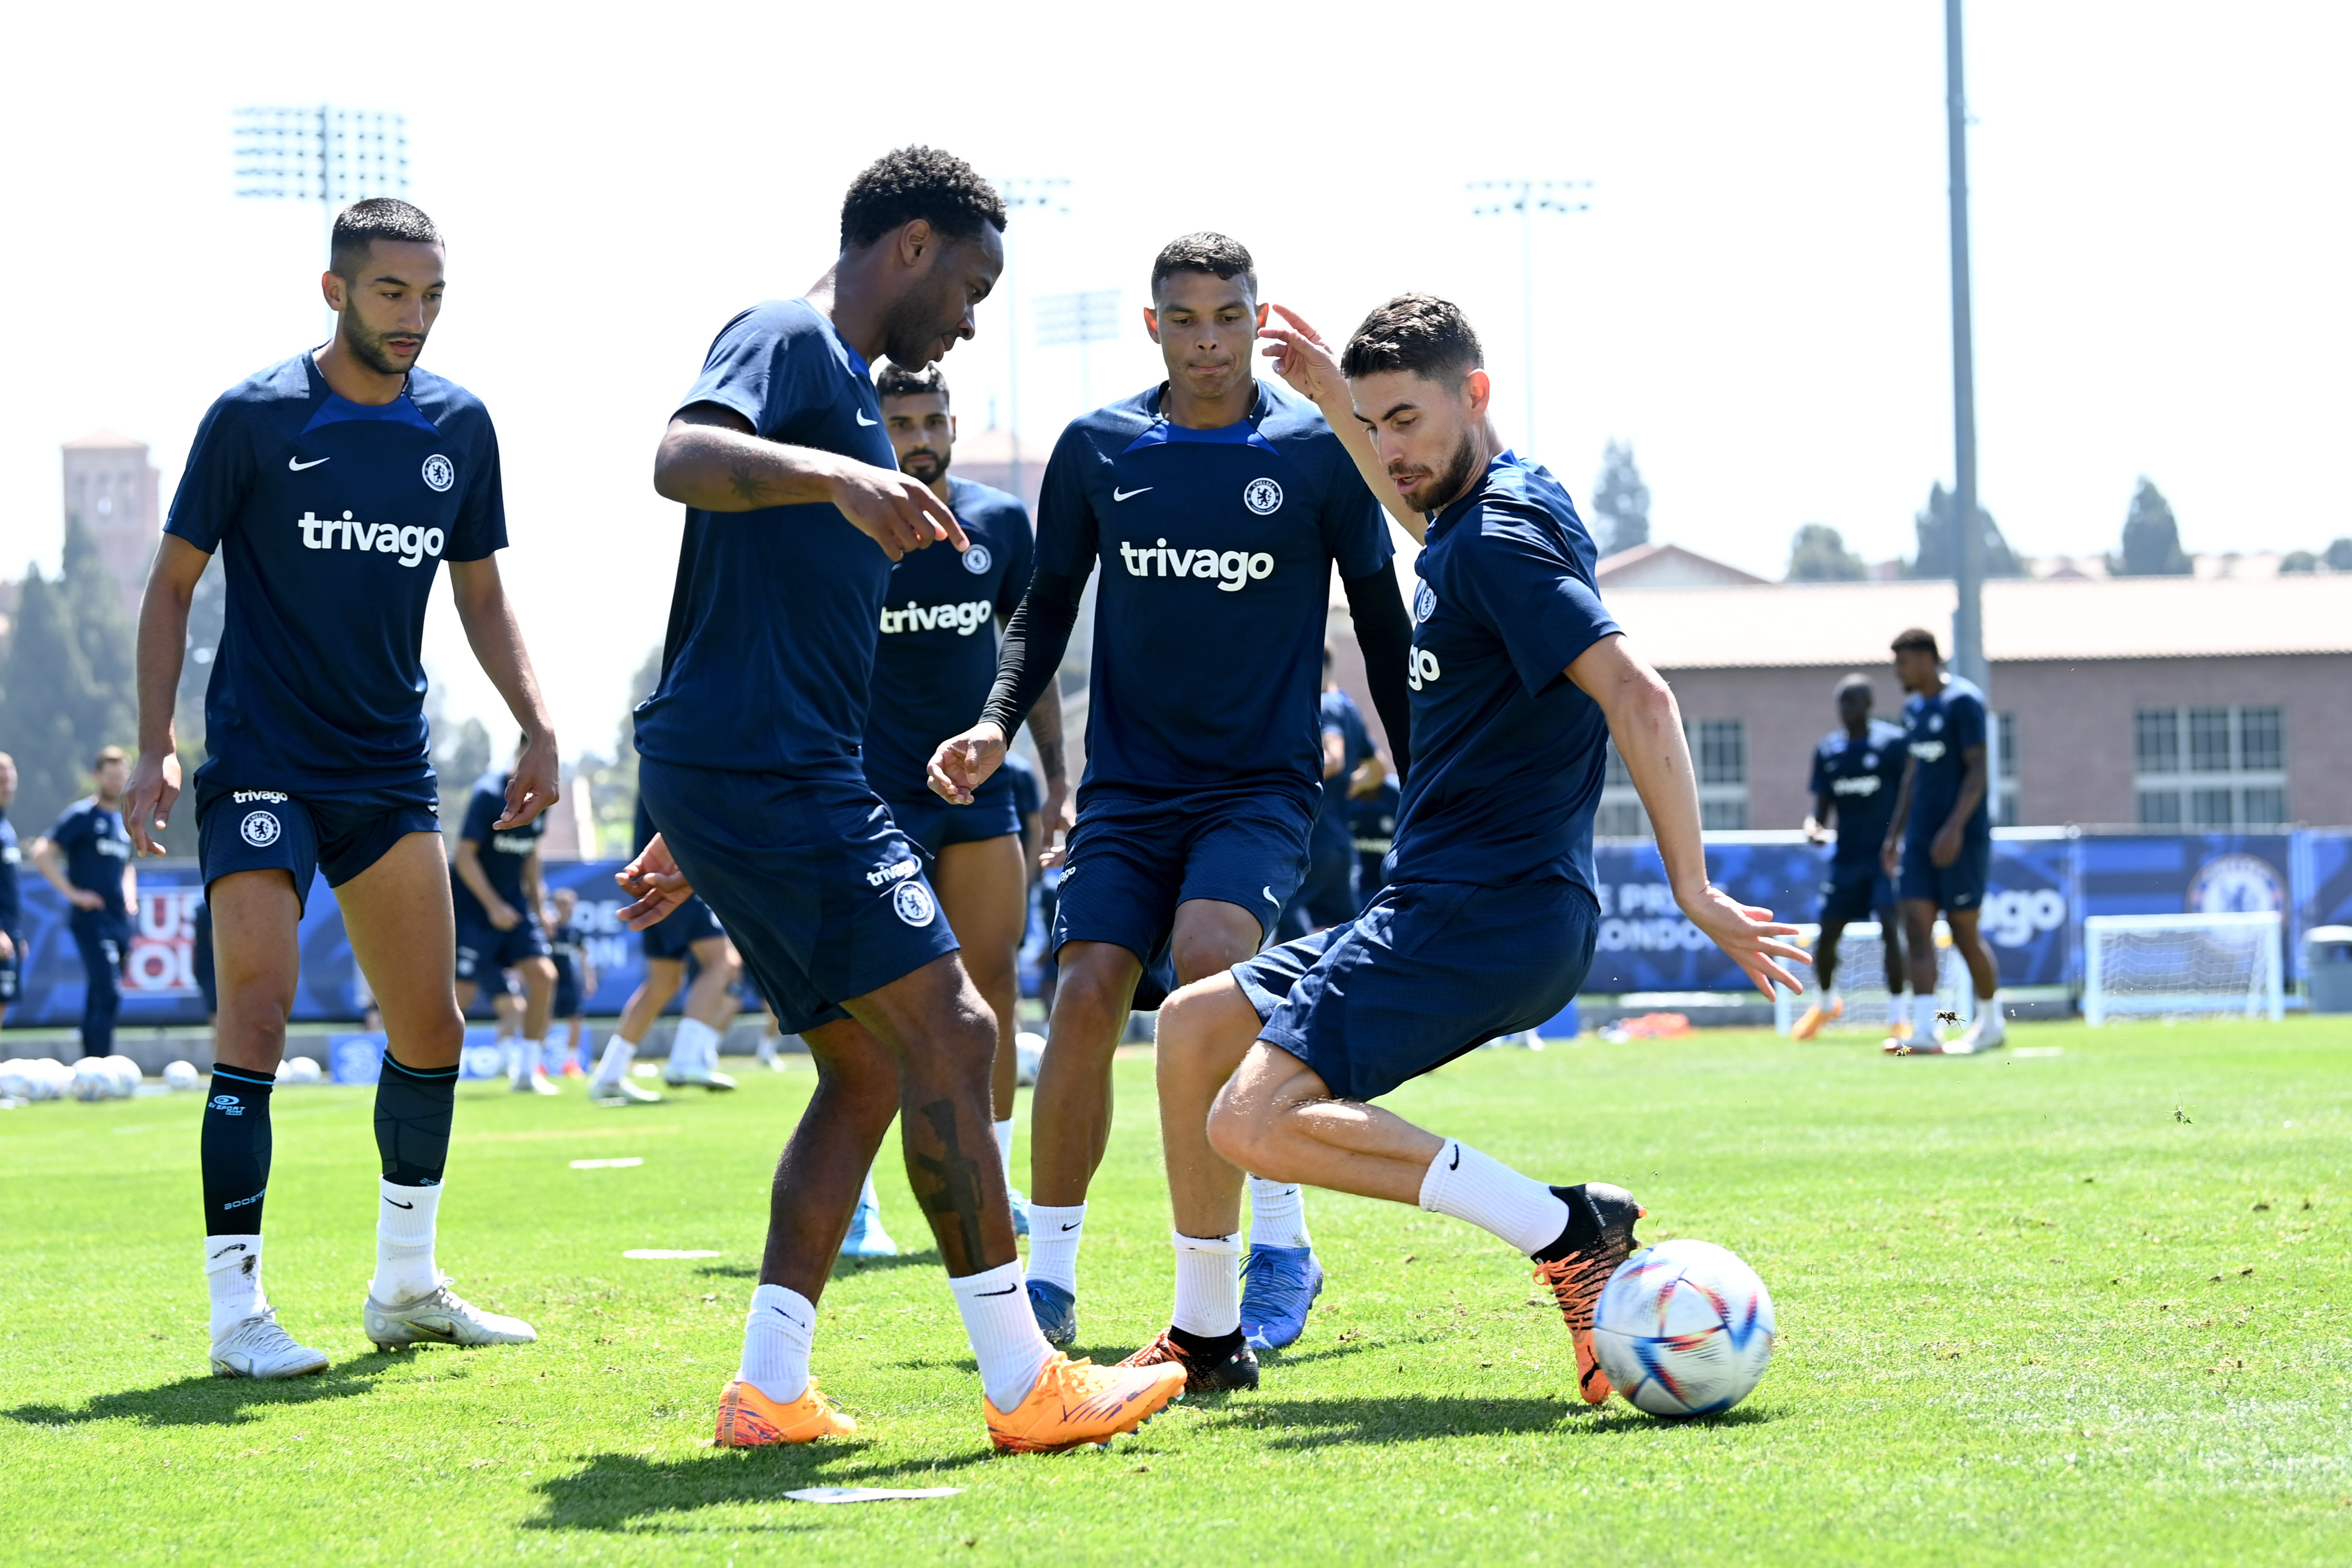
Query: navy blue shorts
{"points": [[12, 969], [1857, 891], [483, 950], [934, 824], [1958, 885], [1429, 971], [824, 897], [675, 937], [267, 829], [1134, 859], [568, 1000]]}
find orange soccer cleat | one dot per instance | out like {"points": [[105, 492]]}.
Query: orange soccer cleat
{"points": [[1575, 1278], [1077, 1402], [1815, 1016], [750, 1419]]}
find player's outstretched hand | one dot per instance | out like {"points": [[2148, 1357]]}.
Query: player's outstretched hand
{"points": [[1747, 934], [963, 762], [896, 511], [147, 803], [1303, 359], [1054, 820], [533, 787], [653, 880]]}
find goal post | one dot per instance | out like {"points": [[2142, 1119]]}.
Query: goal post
{"points": [[2213, 965]]}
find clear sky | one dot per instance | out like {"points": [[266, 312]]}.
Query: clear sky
{"points": [[1757, 298]]}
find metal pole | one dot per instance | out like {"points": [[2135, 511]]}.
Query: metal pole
{"points": [[1968, 616], [1528, 310], [1012, 360]]}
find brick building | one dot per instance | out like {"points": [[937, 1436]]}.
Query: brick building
{"points": [[112, 488]]}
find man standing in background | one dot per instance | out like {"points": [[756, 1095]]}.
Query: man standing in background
{"points": [[87, 857], [1857, 773]]}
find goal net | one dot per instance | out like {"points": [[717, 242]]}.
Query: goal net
{"points": [[2231, 964], [1862, 980]]}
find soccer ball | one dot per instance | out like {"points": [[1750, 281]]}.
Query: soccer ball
{"points": [[16, 1080], [1684, 1328], [127, 1075], [181, 1076], [300, 1069], [1029, 1049], [92, 1080], [54, 1079]]}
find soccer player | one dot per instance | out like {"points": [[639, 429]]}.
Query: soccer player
{"points": [[689, 932], [87, 858], [496, 890], [1857, 773], [1520, 678], [1217, 506], [1939, 844], [1328, 896], [11, 905], [749, 761], [575, 977], [336, 483]]}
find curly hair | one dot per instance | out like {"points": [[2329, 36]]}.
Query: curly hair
{"points": [[1204, 252], [1418, 333], [895, 380], [910, 183]]}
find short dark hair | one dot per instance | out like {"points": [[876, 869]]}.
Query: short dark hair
{"points": [[1919, 638], [1417, 333], [109, 755], [909, 182], [359, 226], [1220, 255], [895, 380]]}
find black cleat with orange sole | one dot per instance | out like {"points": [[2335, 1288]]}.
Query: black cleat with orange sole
{"points": [[1600, 1236], [1219, 1369]]}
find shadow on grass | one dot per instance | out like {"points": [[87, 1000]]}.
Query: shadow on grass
{"points": [[630, 1493], [1330, 1423], [843, 1268], [202, 1401]]}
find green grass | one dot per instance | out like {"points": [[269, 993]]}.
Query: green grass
{"points": [[2003, 1335]]}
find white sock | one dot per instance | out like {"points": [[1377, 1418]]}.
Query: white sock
{"points": [[777, 1333], [534, 1059], [1277, 1213], [1005, 1147], [613, 1065], [1004, 1337], [554, 1054], [1491, 1196], [1923, 1020], [1053, 1237], [866, 1198], [404, 1243], [1209, 1284], [518, 1064], [765, 1051], [695, 1047], [1992, 1027], [232, 1276], [1829, 995]]}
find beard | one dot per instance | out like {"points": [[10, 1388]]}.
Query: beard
{"points": [[924, 464], [368, 349], [917, 323], [1446, 484]]}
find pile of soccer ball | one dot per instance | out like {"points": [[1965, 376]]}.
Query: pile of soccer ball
{"points": [[25, 1079], [1684, 1328], [300, 1069], [28, 1078]]}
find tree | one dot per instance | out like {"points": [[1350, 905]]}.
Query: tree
{"points": [[2298, 561], [2151, 537], [1621, 502], [614, 784], [1818, 554], [207, 618], [67, 683], [1937, 540], [2340, 555]]}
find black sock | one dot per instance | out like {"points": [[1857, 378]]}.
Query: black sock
{"points": [[235, 1151], [1583, 1225], [413, 1112], [1211, 1348]]}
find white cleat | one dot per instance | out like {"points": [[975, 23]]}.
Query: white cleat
{"points": [[536, 1083], [257, 1347], [618, 1092], [1984, 1034], [699, 1077], [441, 1317]]}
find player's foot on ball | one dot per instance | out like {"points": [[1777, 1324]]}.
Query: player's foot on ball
{"points": [[750, 1419], [441, 1317], [1278, 1285], [257, 1347], [1056, 1311], [1217, 1366], [1077, 1402], [1815, 1016], [866, 1238], [617, 1091], [1600, 1236]]}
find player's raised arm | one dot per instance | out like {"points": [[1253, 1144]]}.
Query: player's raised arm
{"points": [[163, 642], [1303, 359], [1647, 727], [711, 459]]}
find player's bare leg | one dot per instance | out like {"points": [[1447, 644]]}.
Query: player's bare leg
{"points": [[984, 892], [609, 1085], [1988, 1030], [1919, 943], [711, 1007], [1825, 952]]}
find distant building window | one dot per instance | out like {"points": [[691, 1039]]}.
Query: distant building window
{"points": [[2231, 774], [1719, 751]]}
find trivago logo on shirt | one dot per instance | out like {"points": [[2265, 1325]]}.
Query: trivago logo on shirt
{"points": [[514, 843], [1927, 751], [1233, 570], [963, 619], [412, 544], [1867, 784]]}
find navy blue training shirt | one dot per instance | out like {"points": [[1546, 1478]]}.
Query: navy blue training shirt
{"points": [[11, 900], [1938, 732], [1862, 776], [335, 518], [939, 624], [503, 850], [565, 944], [1508, 752], [1216, 549], [773, 619], [97, 847], [1339, 716]]}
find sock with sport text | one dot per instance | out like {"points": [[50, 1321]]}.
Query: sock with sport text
{"points": [[1488, 1194], [232, 1280], [1005, 1147], [234, 1151], [1277, 1213], [613, 1065], [1004, 1337], [777, 1334], [693, 1048], [414, 1109], [1924, 1029], [1053, 1236], [1208, 1290]]}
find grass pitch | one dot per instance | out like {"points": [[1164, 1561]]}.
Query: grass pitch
{"points": [[2084, 1307]]}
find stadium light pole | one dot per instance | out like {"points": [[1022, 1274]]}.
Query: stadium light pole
{"points": [[1968, 565], [1527, 198], [333, 156], [1020, 191], [1089, 317]]}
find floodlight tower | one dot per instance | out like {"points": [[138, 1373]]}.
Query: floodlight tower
{"points": [[1968, 564], [1089, 317], [333, 156], [1527, 198], [1036, 194]]}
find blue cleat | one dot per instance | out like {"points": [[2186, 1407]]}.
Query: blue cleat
{"points": [[1056, 1311], [1278, 1284], [866, 1238], [1020, 1212]]}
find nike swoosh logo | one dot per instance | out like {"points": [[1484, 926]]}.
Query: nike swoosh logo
{"points": [[1073, 1226], [863, 420], [1006, 1291], [398, 1205], [1117, 494], [1457, 1158], [788, 1317], [233, 1246], [298, 466], [1269, 895]]}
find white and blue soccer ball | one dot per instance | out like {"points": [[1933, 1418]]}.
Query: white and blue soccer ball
{"points": [[93, 1079], [300, 1069], [1684, 1328], [127, 1075], [182, 1075]]}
